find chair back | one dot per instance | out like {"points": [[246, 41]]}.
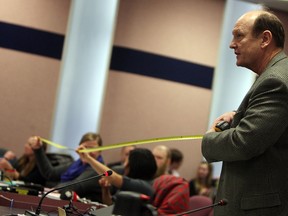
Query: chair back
{"points": [[199, 201]]}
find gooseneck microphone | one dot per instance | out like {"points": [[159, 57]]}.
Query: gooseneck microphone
{"points": [[222, 202], [38, 210]]}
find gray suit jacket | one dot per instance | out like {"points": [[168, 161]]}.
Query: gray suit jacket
{"points": [[254, 176]]}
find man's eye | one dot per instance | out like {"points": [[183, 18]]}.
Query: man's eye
{"points": [[238, 36]]}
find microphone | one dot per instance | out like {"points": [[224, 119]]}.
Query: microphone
{"points": [[70, 195], [222, 202], [73, 196], [38, 210]]}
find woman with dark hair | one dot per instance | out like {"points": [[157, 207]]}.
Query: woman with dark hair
{"points": [[74, 171], [140, 169], [140, 164]]}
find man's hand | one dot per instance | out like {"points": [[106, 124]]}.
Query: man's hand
{"points": [[227, 117]]}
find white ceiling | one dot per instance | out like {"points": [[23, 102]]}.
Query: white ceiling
{"points": [[273, 4]]}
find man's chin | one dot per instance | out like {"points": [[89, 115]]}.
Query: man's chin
{"points": [[238, 63]]}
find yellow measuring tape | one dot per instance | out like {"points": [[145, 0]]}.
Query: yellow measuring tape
{"points": [[123, 144], [55, 144]]}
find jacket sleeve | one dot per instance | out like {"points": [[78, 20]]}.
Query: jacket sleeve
{"points": [[255, 127], [45, 167]]}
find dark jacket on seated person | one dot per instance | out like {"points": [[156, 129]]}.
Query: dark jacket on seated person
{"points": [[65, 173]]}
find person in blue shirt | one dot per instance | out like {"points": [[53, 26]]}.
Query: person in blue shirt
{"points": [[74, 171]]}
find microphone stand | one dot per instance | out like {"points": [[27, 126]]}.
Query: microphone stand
{"points": [[220, 203], [38, 210]]}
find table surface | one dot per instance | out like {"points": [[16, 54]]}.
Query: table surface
{"points": [[27, 202], [4, 210]]}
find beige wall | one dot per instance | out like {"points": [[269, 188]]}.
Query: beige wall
{"points": [[45, 15], [185, 29], [138, 107], [28, 82]]}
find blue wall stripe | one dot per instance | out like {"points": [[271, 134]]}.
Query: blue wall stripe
{"points": [[152, 65], [31, 40], [123, 59]]}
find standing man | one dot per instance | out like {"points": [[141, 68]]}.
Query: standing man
{"points": [[254, 151]]}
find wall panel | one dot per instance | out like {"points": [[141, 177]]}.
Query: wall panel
{"points": [[144, 107], [28, 80]]}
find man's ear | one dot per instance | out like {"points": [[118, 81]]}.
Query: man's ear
{"points": [[266, 38]]}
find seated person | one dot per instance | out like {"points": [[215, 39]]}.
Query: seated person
{"points": [[25, 168], [138, 176], [162, 156], [8, 155], [203, 183], [74, 171], [176, 162]]}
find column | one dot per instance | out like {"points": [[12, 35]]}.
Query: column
{"points": [[84, 70]]}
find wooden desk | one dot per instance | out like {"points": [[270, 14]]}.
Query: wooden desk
{"points": [[27, 202]]}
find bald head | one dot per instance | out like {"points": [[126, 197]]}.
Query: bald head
{"points": [[162, 156], [252, 14], [257, 37], [261, 21]]}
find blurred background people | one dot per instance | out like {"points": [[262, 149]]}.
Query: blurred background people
{"points": [[176, 162], [24, 168], [73, 171], [8, 155], [203, 184], [124, 155], [162, 156], [140, 169]]}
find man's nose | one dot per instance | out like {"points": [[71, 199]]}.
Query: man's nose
{"points": [[232, 45]]}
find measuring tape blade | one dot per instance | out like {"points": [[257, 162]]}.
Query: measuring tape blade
{"points": [[55, 144], [147, 141], [124, 144]]}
